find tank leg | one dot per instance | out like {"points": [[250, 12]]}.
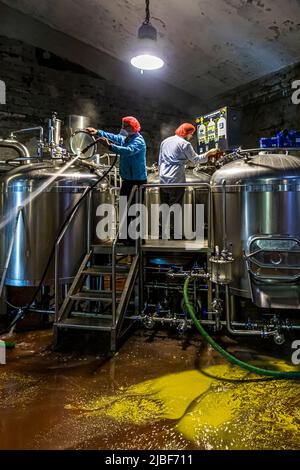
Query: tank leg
{"points": [[55, 337], [113, 340]]}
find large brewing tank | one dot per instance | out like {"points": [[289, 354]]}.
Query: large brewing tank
{"points": [[41, 220], [192, 196], [262, 201]]}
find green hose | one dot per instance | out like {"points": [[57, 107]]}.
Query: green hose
{"points": [[230, 357]]}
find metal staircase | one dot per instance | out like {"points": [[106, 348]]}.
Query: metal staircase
{"points": [[99, 296], [95, 302]]}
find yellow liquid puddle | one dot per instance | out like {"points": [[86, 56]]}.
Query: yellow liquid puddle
{"points": [[221, 407], [16, 389]]}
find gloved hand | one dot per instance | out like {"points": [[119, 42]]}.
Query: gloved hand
{"points": [[214, 153], [91, 130], [104, 141]]}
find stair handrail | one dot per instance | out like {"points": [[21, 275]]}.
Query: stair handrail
{"points": [[56, 252], [113, 270]]}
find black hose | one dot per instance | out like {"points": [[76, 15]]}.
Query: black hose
{"points": [[22, 310]]}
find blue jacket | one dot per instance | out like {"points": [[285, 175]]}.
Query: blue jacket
{"points": [[132, 153]]}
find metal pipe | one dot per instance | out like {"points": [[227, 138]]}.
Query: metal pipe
{"points": [[91, 166], [141, 264], [56, 260], [113, 270], [10, 249], [239, 324], [38, 310], [203, 322], [176, 185], [242, 332], [188, 274], [270, 149], [168, 287], [89, 222], [170, 320], [224, 215], [30, 129], [16, 145]]}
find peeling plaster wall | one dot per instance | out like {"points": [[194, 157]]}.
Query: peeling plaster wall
{"points": [[39, 82], [209, 46], [47, 71], [16, 25]]}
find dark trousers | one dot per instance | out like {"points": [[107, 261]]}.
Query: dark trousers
{"points": [[126, 189], [171, 196]]}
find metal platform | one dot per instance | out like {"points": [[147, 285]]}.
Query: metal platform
{"points": [[81, 323], [177, 246], [106, 248]]}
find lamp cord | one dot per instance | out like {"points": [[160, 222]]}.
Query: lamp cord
{"points": [[147, 19]]}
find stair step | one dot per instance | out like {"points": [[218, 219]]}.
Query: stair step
{"points": [[98, 270], [75, 314], [105, 292], [120, 249], [90, 297], [96, 296], [85, 323], [101, 293]]}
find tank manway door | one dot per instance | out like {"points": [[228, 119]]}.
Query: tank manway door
{"points": [[273, 265]]}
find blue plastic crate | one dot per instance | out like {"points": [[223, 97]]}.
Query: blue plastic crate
{"points": [[283, 139], [270, 142]]}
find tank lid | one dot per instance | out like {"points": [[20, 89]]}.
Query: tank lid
{"points": [[33, 175], [191, 175], [261, 169]]}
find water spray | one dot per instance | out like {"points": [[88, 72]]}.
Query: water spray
{"points": [[23, 310]]}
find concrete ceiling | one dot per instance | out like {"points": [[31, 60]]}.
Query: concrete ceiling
{"points": [[210, 46]]}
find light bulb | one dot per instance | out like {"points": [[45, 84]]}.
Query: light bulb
{"points": [[147, 62], [146, 56]]}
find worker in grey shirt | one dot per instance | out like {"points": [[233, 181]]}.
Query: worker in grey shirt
{"points": [[174, 153]]}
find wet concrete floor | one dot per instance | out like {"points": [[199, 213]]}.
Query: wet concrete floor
{"points": [[157, 392]]}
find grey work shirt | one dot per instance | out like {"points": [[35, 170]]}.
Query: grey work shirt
{"points": [[173, 155]]}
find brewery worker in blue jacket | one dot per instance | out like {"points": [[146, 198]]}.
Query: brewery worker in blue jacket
{"points": [[130, 145]]}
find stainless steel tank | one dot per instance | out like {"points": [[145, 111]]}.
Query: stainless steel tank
{"points": [[191, 198], [75, 122], [103, 210], [57, 131], [41, 220], [262, 201]]}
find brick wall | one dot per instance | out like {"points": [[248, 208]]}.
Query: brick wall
{"points": [[39, 82]]}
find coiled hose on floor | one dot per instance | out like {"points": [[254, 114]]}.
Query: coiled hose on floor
{"points": [[234, 360]]}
